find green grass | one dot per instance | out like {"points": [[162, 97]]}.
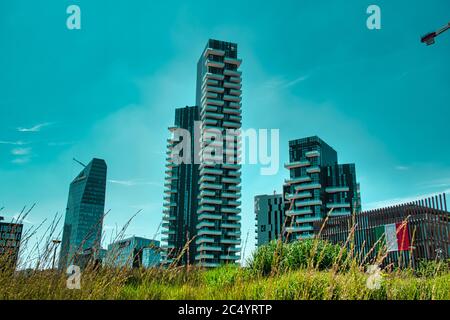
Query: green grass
{"points": [[224, 283]]}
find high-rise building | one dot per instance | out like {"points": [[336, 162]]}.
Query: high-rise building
{"points": [[134, 252], [219, 99], [84, 214], [270, 218], [10, 237], [318, 186], [181, 195]]}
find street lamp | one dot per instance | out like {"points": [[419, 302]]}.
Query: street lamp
{"points": [[56, 242], [429, 38]]}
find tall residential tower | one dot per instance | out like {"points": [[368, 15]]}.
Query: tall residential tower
{"points": [[84, 214], [219, 99]]}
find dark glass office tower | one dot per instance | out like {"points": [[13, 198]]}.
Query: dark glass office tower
{"points": [[318, 186], [219, 98], [181, 195], [270, 218], [84, 214]]}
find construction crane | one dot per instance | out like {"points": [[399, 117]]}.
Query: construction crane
{"points": [[429, 38], [79, 162]]}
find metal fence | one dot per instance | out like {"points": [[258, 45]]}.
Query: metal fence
{"points": [[427, 222]]}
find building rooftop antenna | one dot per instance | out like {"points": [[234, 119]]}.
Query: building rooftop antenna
{"points": [[79, 162]]}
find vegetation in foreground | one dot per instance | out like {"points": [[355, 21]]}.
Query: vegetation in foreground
{"points": [[301, 270]]}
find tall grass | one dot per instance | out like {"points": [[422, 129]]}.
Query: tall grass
{"points": [[309, 269]]}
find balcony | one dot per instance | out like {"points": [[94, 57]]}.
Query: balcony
{"points": [[209, 108], [230, 241], [213, 76], [308, 186], [293, 213], [234, 61], [299, 229], [207, 232], [169, 204], [215, 52], [234, 166], [214, 102], [301, 195], [228, 97], [230, 85], [232, 73], [308, 219], [231, 180], [205, 209], [204, 256], [215, 64], [210, 201], [235, 92], [237, 118], [231, 111], [230, 210], [207, 178], [210, 186], [315, 169], [229, 257], [312, 154], [234, 203], [207, 193], [338, 205], [308, 203], [298, 180], [235, 79], [209, 216], [213, 115], [204, 240], [231, 195], [211, 171], [234, 218], [209, 248], [205, 224], [235, 105], [209, 95], [297, 164], [231, 225], [214, 89], [234, 188], [337, 189]]}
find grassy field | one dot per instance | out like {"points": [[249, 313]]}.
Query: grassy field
{"points": [[302, 270], [223, 283]]}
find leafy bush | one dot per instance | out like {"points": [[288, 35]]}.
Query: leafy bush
{"points": [[279, 256], [429, 269]]}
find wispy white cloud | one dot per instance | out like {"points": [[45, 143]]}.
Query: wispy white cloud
{"points": [[132, 183], [60, 144], [35, 128], [402, 168], [281, 82], [14, 143], [21, 160], [21, 151]]}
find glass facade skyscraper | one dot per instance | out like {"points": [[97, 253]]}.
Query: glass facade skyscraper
{"points": [[84, 214], [181, 195], [317, 186], [219, 98]]}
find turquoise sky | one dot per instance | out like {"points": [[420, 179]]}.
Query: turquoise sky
{"points": [[380, 98]]}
